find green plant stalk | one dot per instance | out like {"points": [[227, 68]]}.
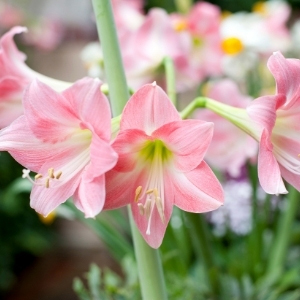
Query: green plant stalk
{"points": [[282, 237], [170, 79], [183, 6], [148, 260], [204, 250], [149, 267], [113, 66]]}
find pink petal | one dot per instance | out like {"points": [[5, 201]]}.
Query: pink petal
{"points": [[103, 157], [157, 227], [90, 105], [45, 200], [268, 169], [90, 195], [263, 110], [11, 59], [29, 151], [119, 187], [148, 109], [291, 178], [50, 116], [188, 141], [11, 91], [198, 191], [285, 72], [127, 145]]}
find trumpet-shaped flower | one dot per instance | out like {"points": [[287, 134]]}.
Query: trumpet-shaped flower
{"points": [[160, 164], [64, 138], [278, 117], [15, 75]]}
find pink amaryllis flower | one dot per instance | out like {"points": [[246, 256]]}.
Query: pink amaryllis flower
{"points": [[64, 138], [15, 75], [160, 164], [278, 116]]}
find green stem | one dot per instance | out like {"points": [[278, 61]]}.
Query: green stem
{"points": [[204, 251], [148, 260], [183, 6], [114, 71], [237, 116], [149, 267], [283, 234], [170, 78]]}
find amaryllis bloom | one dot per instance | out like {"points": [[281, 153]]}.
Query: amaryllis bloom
{"points": [[160, 164], [274, 122], [64, 138], [230, 147], [15, 75], [278, 116]]}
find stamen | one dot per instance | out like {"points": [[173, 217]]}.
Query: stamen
{"points": [[58, 175], [25, 173], [38, 176], [147, 207], [149, 191], [160, 209], [138, 192], [141, 208], [47, 182], [51, 173]]}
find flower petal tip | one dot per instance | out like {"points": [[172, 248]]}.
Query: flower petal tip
{"points": [[154, 84]]}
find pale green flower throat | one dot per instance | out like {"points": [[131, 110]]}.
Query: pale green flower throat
{"points": [[154, 155]]}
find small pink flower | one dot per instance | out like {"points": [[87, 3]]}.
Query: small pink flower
{"points": [[230, 147], [64, 138], [145, 48], [278, 117], [160, 164]]}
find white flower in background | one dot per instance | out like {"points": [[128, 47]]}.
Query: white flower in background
{"points": [[236, 213], [92, 58], [248, 37]]}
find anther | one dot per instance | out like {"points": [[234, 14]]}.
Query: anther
{"points": [[138, 192], [58, 175], [51, 173], [47, 182], [149, 191], [38, 176]]}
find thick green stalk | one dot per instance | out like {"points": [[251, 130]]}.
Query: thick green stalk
{"points": [[149, 267], [170, 79], [183, 6], [148, 260], [114, 71], [283, 234], [202, 245]]}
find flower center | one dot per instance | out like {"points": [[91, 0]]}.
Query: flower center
{"points": [[232, 46], [155, 156]]}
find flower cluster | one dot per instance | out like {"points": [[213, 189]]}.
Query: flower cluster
{"points": [[155, 159], [203, 43], [155, 162]]}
